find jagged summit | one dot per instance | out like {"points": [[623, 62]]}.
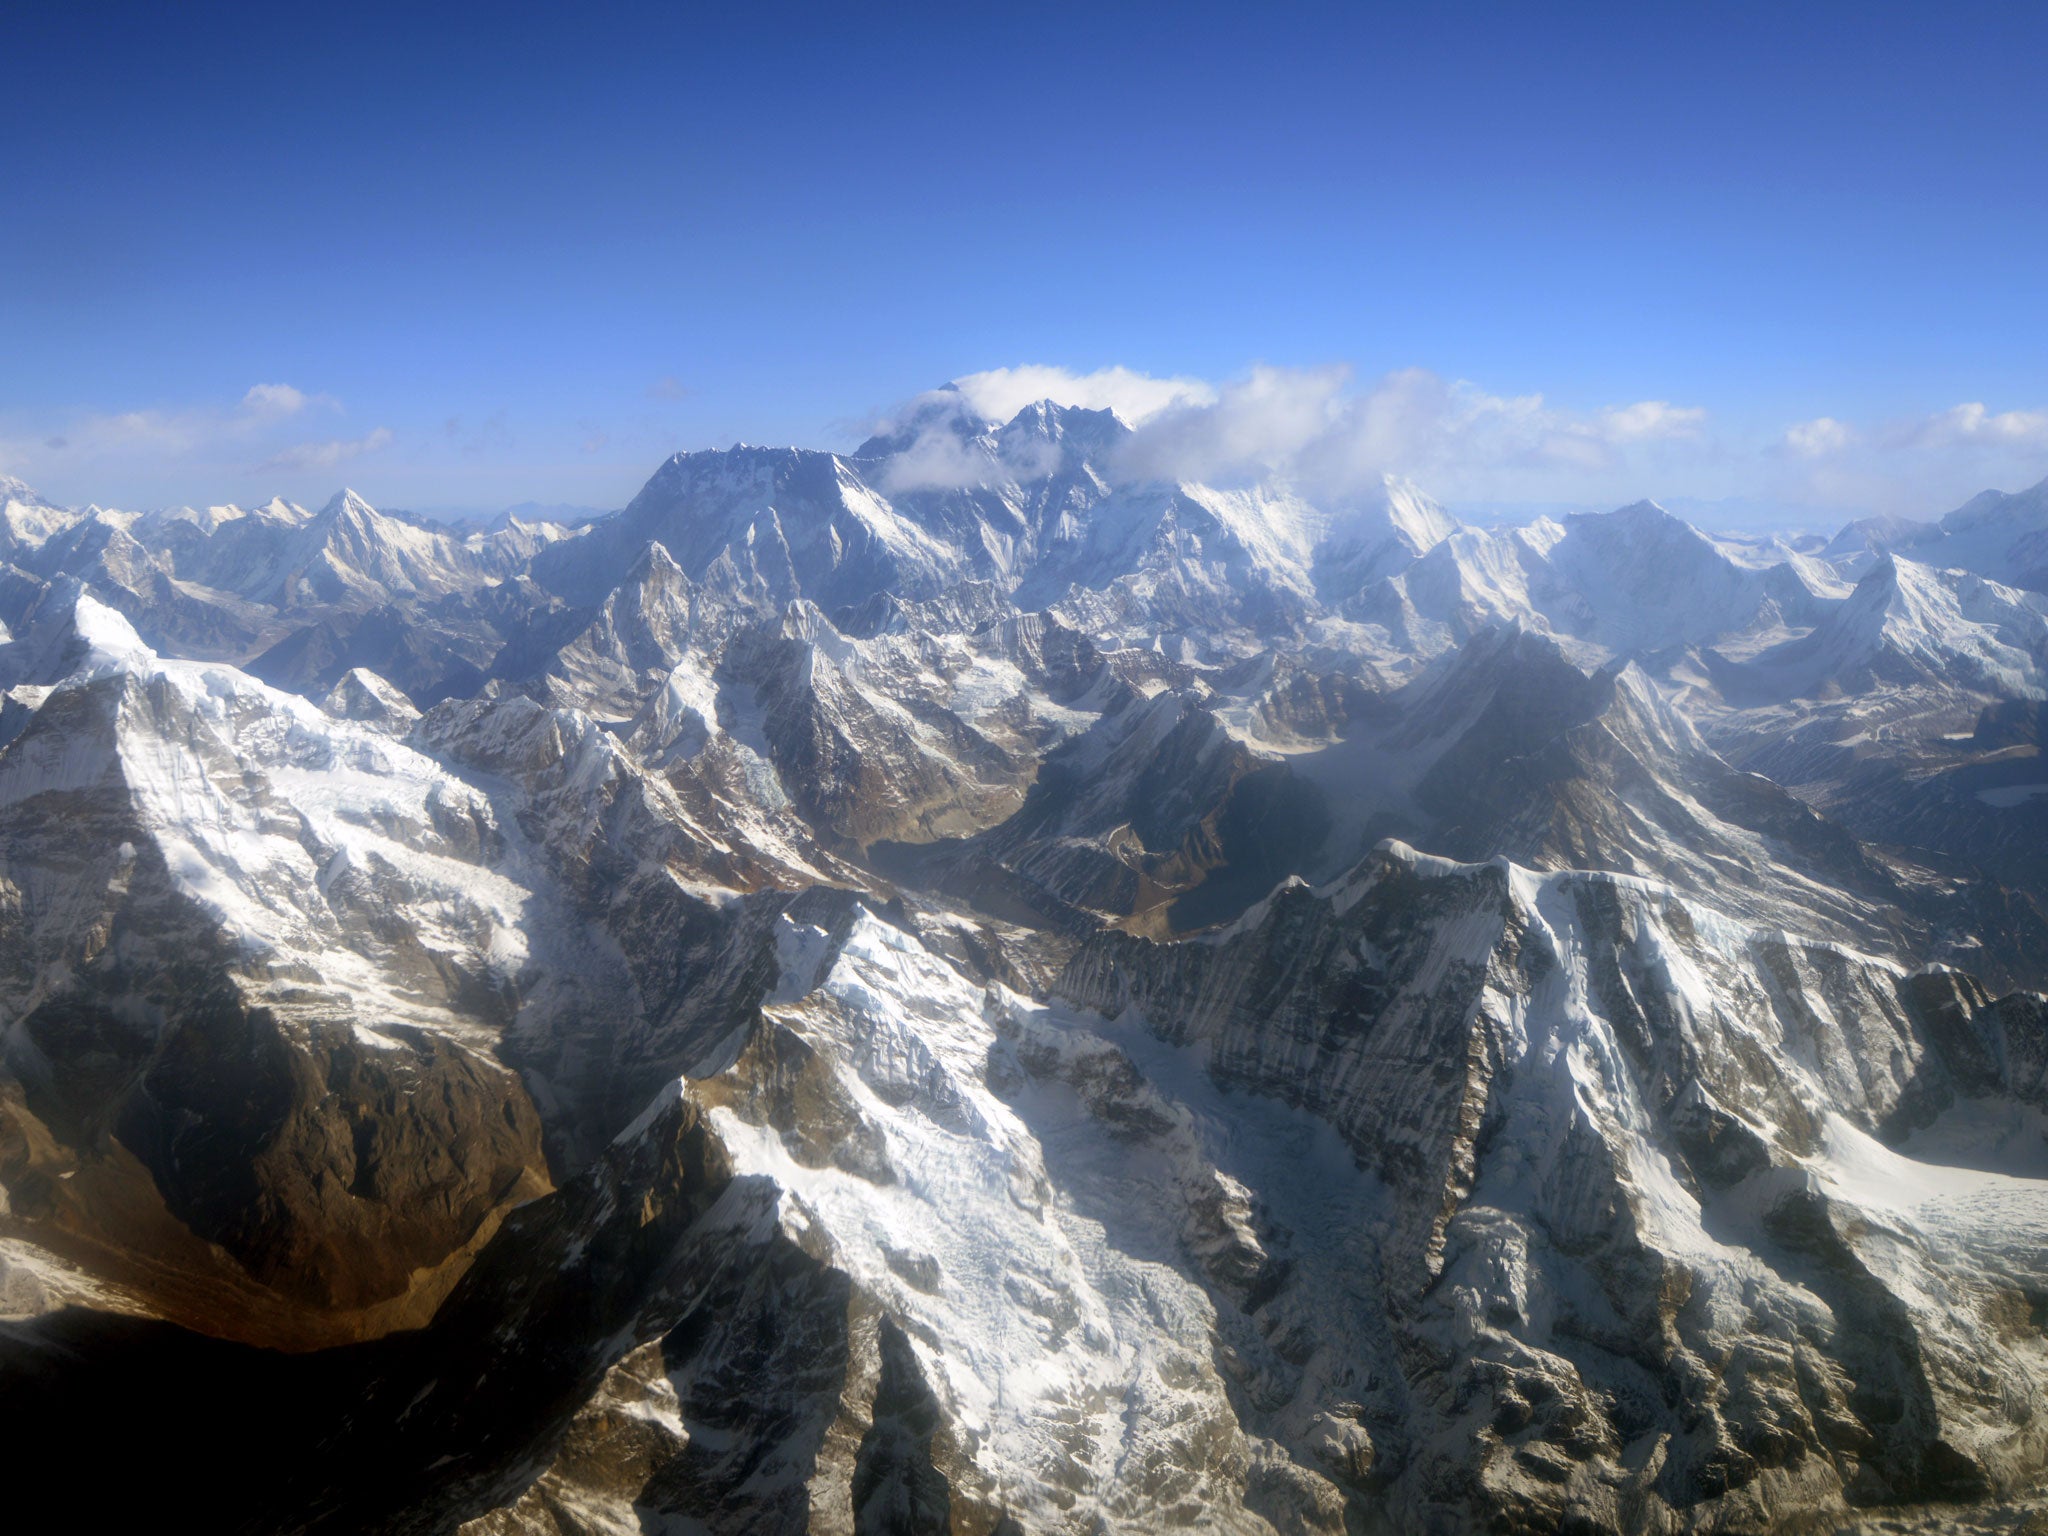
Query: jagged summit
{"points": [[12, 489], [346, 503], [944, 410], [1094, 431]]}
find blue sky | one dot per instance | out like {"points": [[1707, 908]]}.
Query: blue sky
{"points": [[1790, 255]]}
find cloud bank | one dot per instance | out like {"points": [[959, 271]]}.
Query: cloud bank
{"points": [[239, 447], [1818, 438], [1971, 424], [1314, 428], [1329, 434]]}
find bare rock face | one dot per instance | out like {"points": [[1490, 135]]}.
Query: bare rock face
{"points": [[1624, 1145]]}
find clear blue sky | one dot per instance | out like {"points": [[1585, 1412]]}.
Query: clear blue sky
{"points": [[507, 252]]}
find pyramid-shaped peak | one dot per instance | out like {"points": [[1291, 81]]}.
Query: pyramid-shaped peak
{"points": [[655, 562], [71, 605], [365, 696], [346, 503]]}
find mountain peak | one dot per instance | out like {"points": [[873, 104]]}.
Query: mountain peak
{"points": [[1094, 428], [105, 631], [364, 696], [1045, 410], [656, 563], [1644, 513], [1880, 532], [942, 410], [12, 489], [346, 503], [1991, 509], [1644, 525], [69, 631], [278, 509], [925, 839], [1414, 514]]}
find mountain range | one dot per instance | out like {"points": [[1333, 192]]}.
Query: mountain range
{"points": [[957, 988]]}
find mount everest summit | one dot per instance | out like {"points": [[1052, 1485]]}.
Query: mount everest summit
{"points": [[950, 989]]}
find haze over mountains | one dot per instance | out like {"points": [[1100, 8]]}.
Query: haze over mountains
{"points": [[950, 988]]}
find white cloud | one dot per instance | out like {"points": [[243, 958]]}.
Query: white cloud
{"points": [[1971, 424], [938, 459], [1245, 429], [1918, 466], [1650, 419], [1310, 427], [1330, 434], [309, 456], [274, 400], [1969, 428], [130, 436], [1000, 393], [168, 433], [1818, 438]]}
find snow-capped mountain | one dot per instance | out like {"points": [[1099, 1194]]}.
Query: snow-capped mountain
{"points": [[956, 987], [1906, 622], [1998, 534], [1633, 582]]}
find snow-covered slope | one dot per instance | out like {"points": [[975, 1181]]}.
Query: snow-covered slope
{"points": [[27, 521], [1436, 1199], [1909, 623], [781, 523], [1634, 582], [1996, 534], [1379, 535]]}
